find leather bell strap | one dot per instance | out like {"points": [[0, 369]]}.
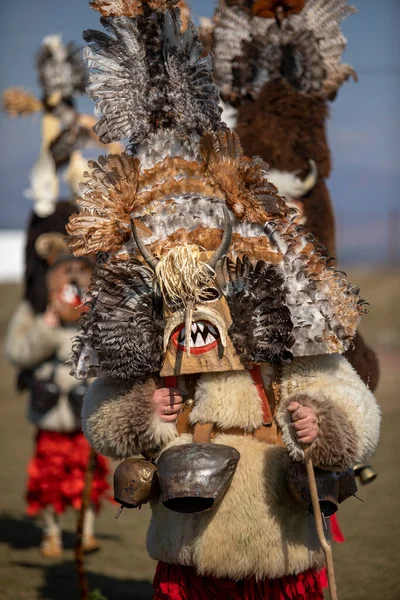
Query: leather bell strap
{"points": [[203, 433]]}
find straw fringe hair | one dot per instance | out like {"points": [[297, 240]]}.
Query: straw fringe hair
{"points": [[183, 276]]}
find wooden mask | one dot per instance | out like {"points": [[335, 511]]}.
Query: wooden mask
{"points": [[196, 338]]}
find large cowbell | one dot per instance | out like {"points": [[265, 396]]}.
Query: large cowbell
{"points": [[206, 347]]}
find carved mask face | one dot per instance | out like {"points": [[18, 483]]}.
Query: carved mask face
{"points": [[196, 315], [196, 340], [68, 283]]}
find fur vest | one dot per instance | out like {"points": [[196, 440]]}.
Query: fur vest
{"points": [[56, 397], [257, 528]]}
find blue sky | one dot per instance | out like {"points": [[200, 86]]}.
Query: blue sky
{"points": [[364, 128]]}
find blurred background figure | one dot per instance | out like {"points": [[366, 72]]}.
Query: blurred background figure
{"points": [[41, 330], [40, 344], [277, 63]]}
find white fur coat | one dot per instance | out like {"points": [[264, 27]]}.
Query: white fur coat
{"points": [[257, 528]]}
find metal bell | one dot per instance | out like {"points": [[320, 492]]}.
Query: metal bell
{"points": [[134, 482], [365, 472], [327, 487]]}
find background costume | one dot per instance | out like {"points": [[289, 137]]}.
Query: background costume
{"points": [[204, 275], [277, 64], [38, 343]]}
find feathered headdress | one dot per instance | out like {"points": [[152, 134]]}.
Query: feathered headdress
{"points": [[62, 76], [196, 248], [255, 42]]}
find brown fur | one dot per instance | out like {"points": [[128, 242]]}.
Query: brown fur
{"points": [[364, 361], [346, 406], [334, 447], [121, 425], [287, 129]]}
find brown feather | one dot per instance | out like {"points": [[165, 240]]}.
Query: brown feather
{"points": [[247, 191], [109, 194], [19, 103], [170, 167], [172, 187], [130, 8], [257, 248]]}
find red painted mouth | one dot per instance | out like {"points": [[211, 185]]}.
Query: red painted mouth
{"points": [[204, 337], [70, 295]]}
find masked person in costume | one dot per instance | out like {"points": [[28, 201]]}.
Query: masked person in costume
{"points": [[215, 326], [40, 332], [277, 64], [62, 77]]}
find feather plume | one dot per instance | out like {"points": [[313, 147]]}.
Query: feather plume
{"points": [[121, 85], [123, 329], [304, 46], [118, 8], [191, 93], [18, 103], [62, 72], [243, 181], [261, 329], [108, 198], [325, 308], [150, 76]]}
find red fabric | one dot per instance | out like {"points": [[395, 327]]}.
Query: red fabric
{"points": [[337, 533], [337, 536], [56, 472], [255, 372], [174, 582]]}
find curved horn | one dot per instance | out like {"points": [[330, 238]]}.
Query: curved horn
{"points": [[151, 260], [226, 240], [311, 179]]}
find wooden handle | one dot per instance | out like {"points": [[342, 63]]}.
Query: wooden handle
{"points": [[327, 548], [79, 552]]}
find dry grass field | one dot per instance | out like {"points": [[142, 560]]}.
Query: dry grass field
{"points": [[367, 564]]}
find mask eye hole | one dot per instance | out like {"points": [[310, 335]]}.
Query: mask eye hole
{"points": [[210, 294]]}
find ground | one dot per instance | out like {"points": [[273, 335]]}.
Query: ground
{"points": [[366, 565]]}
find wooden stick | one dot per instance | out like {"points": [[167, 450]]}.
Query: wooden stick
{"points": [[79, 552], [327, 548]]}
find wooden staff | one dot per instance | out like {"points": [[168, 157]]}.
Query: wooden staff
{"points": [[327, 548], [79, 552]]}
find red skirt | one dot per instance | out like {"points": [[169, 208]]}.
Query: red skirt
{"points": [[174, 582], [56, 473]]}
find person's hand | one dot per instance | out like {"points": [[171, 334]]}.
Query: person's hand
{"points": [[51, 318], [167, 403], [304, 422]]}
